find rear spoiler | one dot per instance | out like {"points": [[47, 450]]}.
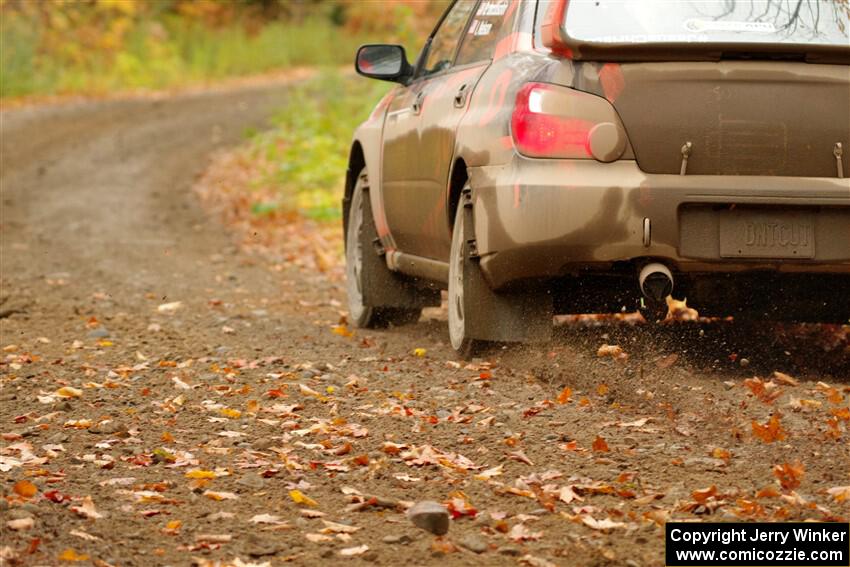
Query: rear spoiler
{"points": [[554, 36]]}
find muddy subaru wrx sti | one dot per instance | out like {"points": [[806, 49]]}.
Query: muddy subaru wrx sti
{"points": [[545, 157]]}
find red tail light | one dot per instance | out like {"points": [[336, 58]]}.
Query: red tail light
{"points": [[550, 121], [538, 134]]}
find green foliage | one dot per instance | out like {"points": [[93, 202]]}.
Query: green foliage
{"points": [[98, 46], [307, 151], [169, 53]]}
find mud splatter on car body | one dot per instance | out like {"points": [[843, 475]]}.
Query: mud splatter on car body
{"points": [[718, 157]]}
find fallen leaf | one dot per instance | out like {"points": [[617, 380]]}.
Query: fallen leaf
{"points": [[25, 489], [391, 448], [722, 454], [419, 351], [637, 423], [840, 493], [264, 519], [604, 524], [679, 310], [312, 514], [218, 496], [335, 528], [69, 392], [703, 494], [300, 498], [768, 492], [567, 494], [169, 307], [767, 392], [71, 555], [803, 404], [600, 445], [565, 395], [87, 509], [521, 533], [785, 379], [198, 473], [613, 351], [489, 473], [172, 527], [459, 506], [342, 331], [308, 391], [789, 474], [521, 457], [56, 496], [770, 431], [20, 524], [440, 546], [349, 551]]}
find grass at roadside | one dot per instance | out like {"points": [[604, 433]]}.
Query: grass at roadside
{"points": [[280, 191], [304, 158], [95, 47], [166, 53]]}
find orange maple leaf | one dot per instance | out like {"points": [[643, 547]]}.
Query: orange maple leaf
{"points": [[565, 395], [767, 392], [770, 431], [600, 445], [789, 474], [768, 492], [703, 494]]}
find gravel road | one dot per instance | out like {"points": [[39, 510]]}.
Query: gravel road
{"points": [[166, 398]]}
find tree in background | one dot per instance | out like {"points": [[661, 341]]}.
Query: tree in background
{"points": [[56, 46]]}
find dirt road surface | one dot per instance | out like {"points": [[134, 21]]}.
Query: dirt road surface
{"points": [[169, 399]]}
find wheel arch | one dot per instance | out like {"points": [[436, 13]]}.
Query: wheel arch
{"points": [[356, 163], [457, 180]]}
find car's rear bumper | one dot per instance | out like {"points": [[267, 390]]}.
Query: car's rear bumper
{"points": [[550, 218]]}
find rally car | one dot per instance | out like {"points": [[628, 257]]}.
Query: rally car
{"points": [[554, 156]]}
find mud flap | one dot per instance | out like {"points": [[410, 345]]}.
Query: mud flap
{"points": [[523, 317], [381, 286]]}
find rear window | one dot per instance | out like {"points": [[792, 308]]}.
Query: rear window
{"points": [[820, 22]]}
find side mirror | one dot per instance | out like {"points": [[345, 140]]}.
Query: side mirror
{"points": [[383, 62]]}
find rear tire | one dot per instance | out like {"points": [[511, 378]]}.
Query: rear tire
{"points": [[377, 297], [478, 316], [460, 306]]}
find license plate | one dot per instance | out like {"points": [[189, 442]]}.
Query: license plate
{"points": [[778, 234]]}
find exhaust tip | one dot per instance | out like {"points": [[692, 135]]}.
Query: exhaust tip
{"points": [[656, 281]]}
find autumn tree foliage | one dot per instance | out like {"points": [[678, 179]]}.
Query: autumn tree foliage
{"points": [[57, 46]]}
